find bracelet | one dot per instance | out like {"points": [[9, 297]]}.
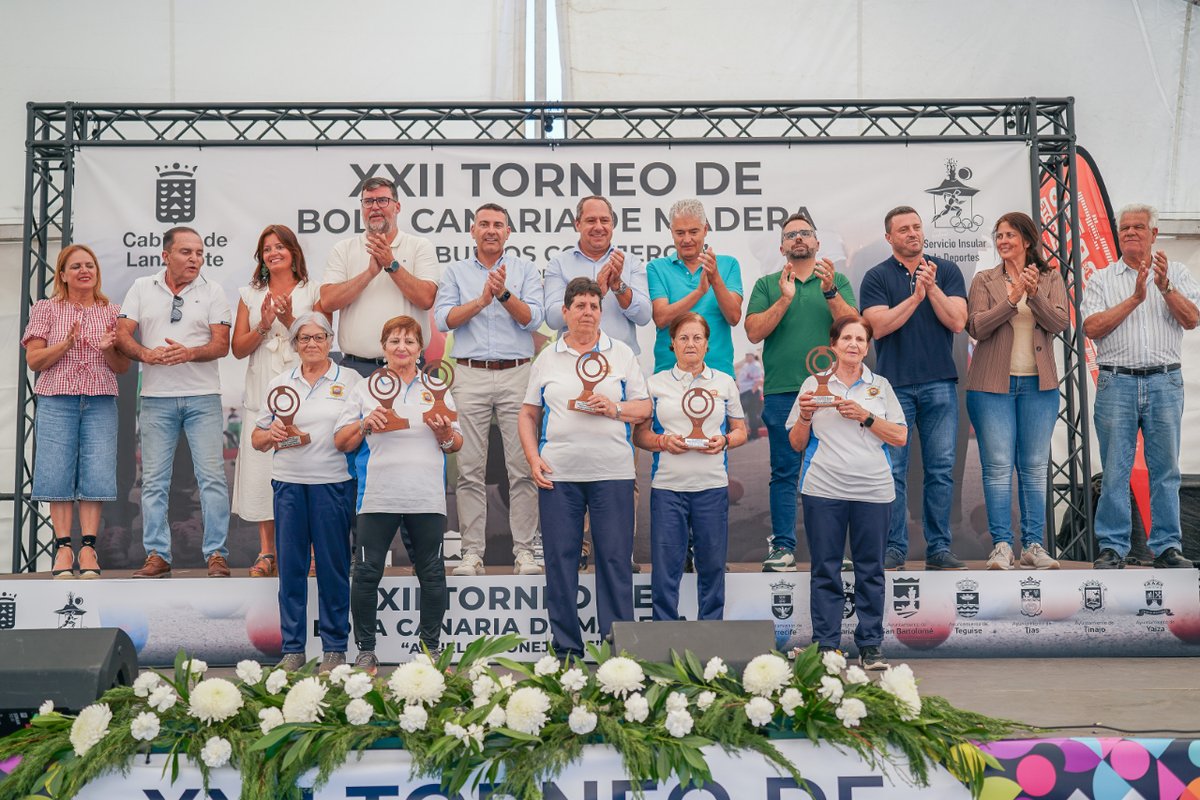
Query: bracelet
{"points": [[363, 430], [806, 420], [259, 330], [661, 447], [446, 445], [725, 446]]}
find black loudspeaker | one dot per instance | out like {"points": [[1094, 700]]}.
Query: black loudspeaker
{"points": [[735, 641], [70, 667]]}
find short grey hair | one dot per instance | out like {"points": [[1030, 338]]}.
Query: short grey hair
{"points": [[1139, 208], [688, 207], [310, 318]]}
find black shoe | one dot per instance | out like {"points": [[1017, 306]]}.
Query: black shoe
{"points": [[1172, 558], [893, 560], [1108, 559], [945, 560], [871, 658]]}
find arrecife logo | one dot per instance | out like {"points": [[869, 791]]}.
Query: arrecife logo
{"points": [[175, 194]]}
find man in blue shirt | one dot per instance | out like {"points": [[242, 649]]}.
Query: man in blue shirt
{"points": [[493, 303], [915, 304], [695, 279]]}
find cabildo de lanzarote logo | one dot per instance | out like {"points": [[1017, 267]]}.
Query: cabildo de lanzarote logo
{"points": [[175, 194], [953, 203]]}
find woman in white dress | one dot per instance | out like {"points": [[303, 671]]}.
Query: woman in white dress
{"points": [[279, 292]]}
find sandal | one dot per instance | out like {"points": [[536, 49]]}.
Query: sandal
{"points": [[63, 543], [89, 574], [264, 566]]}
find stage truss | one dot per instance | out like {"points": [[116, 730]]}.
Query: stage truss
{"points": [[1045, 125]]}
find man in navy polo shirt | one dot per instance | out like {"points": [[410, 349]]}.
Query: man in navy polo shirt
{"points": [[915, 304]]}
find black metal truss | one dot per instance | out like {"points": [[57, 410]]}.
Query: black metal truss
{"points": [[1046, 125]]}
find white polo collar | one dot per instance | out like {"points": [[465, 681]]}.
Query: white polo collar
{"points": [[560, 344], [682, 375]]}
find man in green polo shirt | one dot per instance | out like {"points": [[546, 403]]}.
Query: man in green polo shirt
{"points": [[791, 311]]}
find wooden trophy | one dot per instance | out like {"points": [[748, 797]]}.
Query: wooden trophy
{"points": [[284, 402], [384, 385], [438, 377], [816, 357], [698, 405], [592, 368]]}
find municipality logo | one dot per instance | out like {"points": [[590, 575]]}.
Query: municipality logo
{"points": [[953, 204], [847, 599], [8, 611], [1031, 597], [781, 599], [1154, 600], [1093, 595], [966, 599], [906, 596], [175, 194], [71, 614]]}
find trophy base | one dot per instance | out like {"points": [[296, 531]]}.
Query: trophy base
{"points": [[581, 405], [696, 444], [394, 423], [824, 399], [295, 440], [433, 412]]}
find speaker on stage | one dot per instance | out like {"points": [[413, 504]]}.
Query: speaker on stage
{"points": [[735, 641], [70, 667]]}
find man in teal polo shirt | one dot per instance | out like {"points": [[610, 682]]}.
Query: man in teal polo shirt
{"points": [[695, 279], [791, 312]]}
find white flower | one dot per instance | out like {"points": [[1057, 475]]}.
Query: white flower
{"points": [[760, 710], [581, 721], [340, 673], [546, 665], [146, 683], [659, 681], [249, 672], [483, 688], [194, 667], [417, 682], [214, 700], [679, 723], [496, 718], [216, 752], [163, 698], [834, 661], [790, 700], [276, 681], [414, 717], [526, 710], [359, 712], [145, 726], [856, 675], [636, 708], [271, 718], [619, 676], [90, 727], [715, 668], [471, 733], [358, 684], [831, 689], [899, 682], [477, 669], [851, 711], [422, 658], [305, 702], [677, 701], [46, 707], [765, 675], [704, 700], [507, 681], [573, 680]]}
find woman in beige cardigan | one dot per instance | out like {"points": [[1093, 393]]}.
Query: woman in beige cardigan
{"points": [[1013, 312]]}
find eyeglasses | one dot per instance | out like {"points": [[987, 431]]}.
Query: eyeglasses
{"points": [[319, 338], [376, 202], [176, 308], [801, 234]]}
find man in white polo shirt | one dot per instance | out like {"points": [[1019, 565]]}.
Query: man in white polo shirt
{"points": [[183, 322], [377, 275]]}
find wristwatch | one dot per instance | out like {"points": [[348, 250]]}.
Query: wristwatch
{"points": [[392, 267], [618, 410], [869, 421], [1170, 288], [832, 293], [619, 287], [504, 298]]}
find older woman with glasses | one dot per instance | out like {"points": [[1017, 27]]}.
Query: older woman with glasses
{"points": [[313, 490]]}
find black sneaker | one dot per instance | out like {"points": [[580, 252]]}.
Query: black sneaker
{"points": [[779, 560], [944, 560], [1172, 558], [893, 560], [871, 658], [1108, 559], [367, 662]]}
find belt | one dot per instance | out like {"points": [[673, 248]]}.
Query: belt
{"points": [[379, 362], [1140, 372], [503, 363]]}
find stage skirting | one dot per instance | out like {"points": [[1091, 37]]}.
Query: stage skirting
{"points": [[1132, 612]]}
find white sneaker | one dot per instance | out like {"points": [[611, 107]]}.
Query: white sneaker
{"points": [[471, 565], [525, 565], [1001, 557], [1035, 557]]}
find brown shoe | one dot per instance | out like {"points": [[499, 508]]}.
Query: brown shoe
{"points": [[264, 566], [217, 568], [155, 567]]}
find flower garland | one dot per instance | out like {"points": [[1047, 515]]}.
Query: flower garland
{"points": [[474, 723]]}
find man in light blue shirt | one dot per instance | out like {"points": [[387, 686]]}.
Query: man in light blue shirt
{"points": [[622, 274], [493, 303]]}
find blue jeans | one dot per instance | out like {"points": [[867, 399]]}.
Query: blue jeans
{"points": [[201, 420], [673, 516], [1014, 430], [1125, 403], [75, 442], [931, 408], [785, 469]]}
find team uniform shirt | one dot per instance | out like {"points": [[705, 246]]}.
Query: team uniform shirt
{"points": [[693, 471], [399, 472], [149, 303], [360, 322], [321, 406], [619, 323], [492, 334], [844, 460], [670, 279], [1150, 336], [577, 445], [82, 369]]}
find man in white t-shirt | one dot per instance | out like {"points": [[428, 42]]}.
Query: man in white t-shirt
{"points": [[376, 275], [183, 322]]}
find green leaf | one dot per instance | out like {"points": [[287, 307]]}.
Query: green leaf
{"points": [[273, 738]]}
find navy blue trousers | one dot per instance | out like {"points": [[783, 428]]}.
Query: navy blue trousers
{"points": [[609, 505], [825, 524], [317, 516], [672, 516]]}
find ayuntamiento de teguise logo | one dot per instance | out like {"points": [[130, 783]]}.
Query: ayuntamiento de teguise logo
{"points": [[175, 194], [953, 200], [966, 598]]}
